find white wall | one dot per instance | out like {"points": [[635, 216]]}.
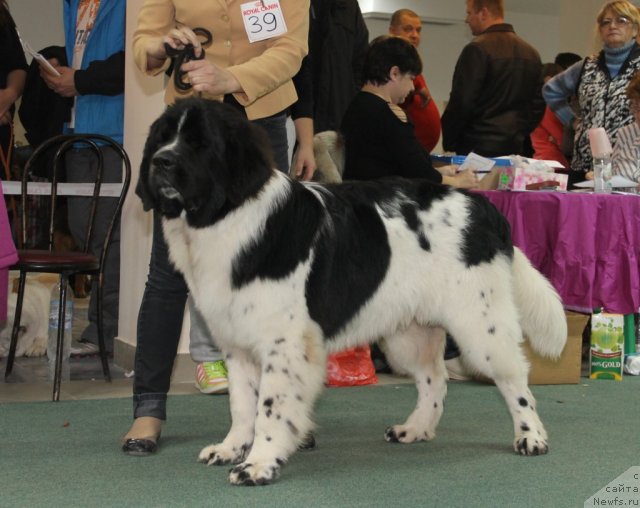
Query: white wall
{"points": [[29, 16], [39, 21]]}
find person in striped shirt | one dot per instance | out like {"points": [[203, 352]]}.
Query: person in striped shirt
{"points": [[626, 151]]}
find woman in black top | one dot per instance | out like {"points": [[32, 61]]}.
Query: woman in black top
{"points": [[380, 141]]}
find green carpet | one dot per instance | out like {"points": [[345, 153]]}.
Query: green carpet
{"points": [[67, 454]]}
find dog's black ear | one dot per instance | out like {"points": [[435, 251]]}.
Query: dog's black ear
{"points": [[249, 159]]}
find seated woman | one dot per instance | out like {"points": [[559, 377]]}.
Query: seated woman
{"points": [[379, 139], [626, 151]]}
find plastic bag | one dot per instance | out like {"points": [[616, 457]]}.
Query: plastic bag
{"points": [[351, 367]]}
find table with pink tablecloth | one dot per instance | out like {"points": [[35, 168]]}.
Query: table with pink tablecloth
{"points": [[588, 245], [8, 256]]}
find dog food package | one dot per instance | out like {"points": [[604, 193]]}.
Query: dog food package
{"points": [[607, 346]]}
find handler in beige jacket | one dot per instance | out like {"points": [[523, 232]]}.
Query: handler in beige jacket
{"points": [[254, 77], [258, 74]]}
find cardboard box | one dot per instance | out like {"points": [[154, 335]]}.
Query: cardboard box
{"points": [[567, 368], [523, 179]]}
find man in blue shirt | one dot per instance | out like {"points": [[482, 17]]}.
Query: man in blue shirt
{"points": [[94, 77]]}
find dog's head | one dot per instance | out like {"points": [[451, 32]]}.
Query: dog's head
{"points": [[202, 158]]}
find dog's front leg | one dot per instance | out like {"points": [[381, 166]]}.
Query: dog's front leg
{"points": [[292, 376], [244, 379]]}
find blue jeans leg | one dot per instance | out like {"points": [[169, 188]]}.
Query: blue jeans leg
{"points": [[159, 326], [276, 129]]}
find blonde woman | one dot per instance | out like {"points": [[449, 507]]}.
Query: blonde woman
{"points": [[600, 83]]}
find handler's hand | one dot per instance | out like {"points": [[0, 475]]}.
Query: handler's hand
{"points": [[209, 78]]}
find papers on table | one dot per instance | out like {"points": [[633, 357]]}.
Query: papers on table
{"points": [[483, 164], [477, 163], [617, 181]]}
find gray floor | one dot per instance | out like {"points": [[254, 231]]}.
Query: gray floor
{"points": [[29, 380]]}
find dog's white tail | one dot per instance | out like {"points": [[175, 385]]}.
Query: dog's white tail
{"points": [[541, 314]]}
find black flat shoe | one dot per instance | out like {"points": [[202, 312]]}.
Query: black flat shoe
{"points": [[140, 447]]}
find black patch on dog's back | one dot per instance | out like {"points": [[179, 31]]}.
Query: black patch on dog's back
{"points": [[486, 234], [353, 256], [285, 241], [351, 251]]}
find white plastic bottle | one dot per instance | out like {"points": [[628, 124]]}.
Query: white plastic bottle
{"points": [[53, 333], [602, 173]]}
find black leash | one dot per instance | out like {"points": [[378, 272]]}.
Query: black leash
{"points": [[186, 54]]}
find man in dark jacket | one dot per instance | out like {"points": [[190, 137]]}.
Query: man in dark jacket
{"points": [[495, 99], [330, 76]]}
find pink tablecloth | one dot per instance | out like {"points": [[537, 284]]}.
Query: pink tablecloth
{"points": [[8, 256], [588, 245]]}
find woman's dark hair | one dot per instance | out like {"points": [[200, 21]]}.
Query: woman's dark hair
{"points": [[550, 70], [386, 52], [5, 17], [566, 59]]}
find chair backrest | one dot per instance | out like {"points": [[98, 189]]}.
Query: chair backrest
{"points": [[54, 151]]}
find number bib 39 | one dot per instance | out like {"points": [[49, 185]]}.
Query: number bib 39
{"points": [[263, 19]]}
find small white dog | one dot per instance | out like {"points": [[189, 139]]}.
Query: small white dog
{"points": [[34, 322]]}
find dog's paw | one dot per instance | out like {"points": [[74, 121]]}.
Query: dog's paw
{"points": [[529, 445], [255, 474], [406, 434], [220, 455], [38, 348]]}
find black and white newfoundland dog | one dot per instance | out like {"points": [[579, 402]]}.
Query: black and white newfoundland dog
{"points": [[284, 272]]}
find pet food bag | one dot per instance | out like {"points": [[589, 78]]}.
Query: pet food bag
{"points": [[607, 346]]}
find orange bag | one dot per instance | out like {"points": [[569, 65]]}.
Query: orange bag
{"points": [[351, 367]]}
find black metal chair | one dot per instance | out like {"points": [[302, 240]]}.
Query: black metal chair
{"points": [[68, 263]]}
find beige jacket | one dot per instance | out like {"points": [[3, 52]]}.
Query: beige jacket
{"points": [[264, 69]]}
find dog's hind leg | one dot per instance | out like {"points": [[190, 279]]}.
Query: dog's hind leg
{"points": [[530, 435], [293, 371], [419, 351], [490, 345], [244, 379]]}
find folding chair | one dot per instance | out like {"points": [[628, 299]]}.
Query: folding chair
{"points": [[69, 263]]}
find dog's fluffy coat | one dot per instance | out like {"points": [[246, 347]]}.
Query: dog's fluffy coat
{"points": [[284, 272], [34, 329]]}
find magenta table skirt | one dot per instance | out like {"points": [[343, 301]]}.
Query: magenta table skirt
{"points": [[588, 245], [8, 256]]}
